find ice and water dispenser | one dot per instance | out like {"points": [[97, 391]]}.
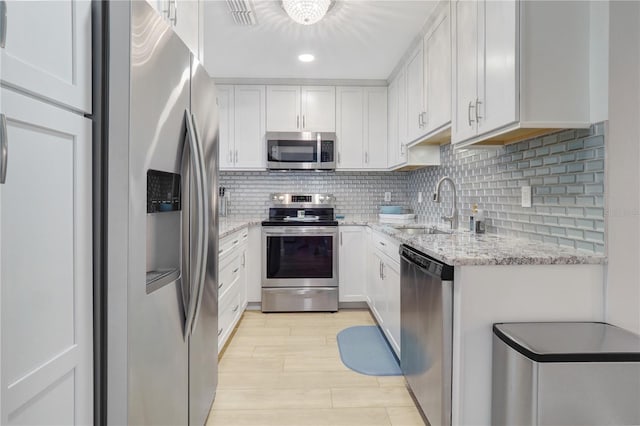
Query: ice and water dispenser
{"points": [[163, 228]]}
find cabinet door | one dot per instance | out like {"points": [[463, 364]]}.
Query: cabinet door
{"points": [[402, 115], [497, 78], [393, 144], [378, 292], [283, 109], [465, 69], [243, 277], [350, 127], [391, 278], [351, 266], [47, 50], [375, 131], [249, 123], [319, 108], [415, 94], [226, 146], [185, 21], [437, 73], [46, 280]]}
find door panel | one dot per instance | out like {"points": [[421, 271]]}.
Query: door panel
{"points": [[376, 127], [48, 50], [283, 109], [45, 266], [415, 94], [226, 149], [249, 132], [350, 127], [318, 108], [465, 69], [437, 57]]}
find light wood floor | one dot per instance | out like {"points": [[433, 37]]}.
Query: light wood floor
{"points": [[285, 370]]}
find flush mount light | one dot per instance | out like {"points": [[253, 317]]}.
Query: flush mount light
{"points": [[306, 57], [306, 12]]}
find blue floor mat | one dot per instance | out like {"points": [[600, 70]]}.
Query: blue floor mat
{"points": [[364, 349]]}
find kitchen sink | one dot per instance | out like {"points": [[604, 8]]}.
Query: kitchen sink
{"points": [[420, 230]]}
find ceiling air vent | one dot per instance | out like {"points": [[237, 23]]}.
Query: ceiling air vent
{"points": [[242, 12]]}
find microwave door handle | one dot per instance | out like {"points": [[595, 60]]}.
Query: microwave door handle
{"points": [[319, 139]]}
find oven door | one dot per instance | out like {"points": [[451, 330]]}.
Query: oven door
{"points": [[300, 256]]}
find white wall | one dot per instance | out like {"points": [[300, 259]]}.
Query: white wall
{"points": [[623, 165]]}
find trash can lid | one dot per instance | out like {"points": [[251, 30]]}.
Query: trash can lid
{"points": [[570, 341]]}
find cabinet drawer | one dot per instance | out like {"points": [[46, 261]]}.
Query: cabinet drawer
{"points": [[230, 242], [230, 269], [230, 311], [387, 246]]}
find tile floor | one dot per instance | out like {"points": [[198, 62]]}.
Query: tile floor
{"points": [[285, 370]]}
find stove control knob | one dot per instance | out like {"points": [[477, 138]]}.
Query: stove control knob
{"points": [[281, 198]]}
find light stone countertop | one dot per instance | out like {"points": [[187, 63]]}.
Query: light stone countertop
{"points": [[461, 247]]}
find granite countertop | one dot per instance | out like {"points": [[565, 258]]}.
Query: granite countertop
{"points": [[464, 248], [460, 247]]}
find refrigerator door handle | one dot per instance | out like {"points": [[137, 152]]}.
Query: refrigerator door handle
{"points": [[196, 169], [204, 230]]}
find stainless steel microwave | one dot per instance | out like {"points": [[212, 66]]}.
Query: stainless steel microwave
{"points": [[301, 150]]}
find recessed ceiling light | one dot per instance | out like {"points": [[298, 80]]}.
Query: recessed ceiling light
{"points": [[306, 57]]}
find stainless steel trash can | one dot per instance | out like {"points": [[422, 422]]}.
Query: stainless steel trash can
{"points": [[565, 373]]}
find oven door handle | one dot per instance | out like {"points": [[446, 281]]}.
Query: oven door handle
{"points": [[302, 231]]}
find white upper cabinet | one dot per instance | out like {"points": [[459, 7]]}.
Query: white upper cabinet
{"points": [[393, 142], [241, 112], [437, 74], [361, 127], [295, 108], [503, 88], [46, 50], [415, 93], [184, 16]]}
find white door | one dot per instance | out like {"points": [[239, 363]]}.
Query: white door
{"points": [[391, 278], [351, 267], [46, 318], [283, 109], [378, 294], [47, 50], [319, 108], [249, 119], [375, 131], [402, 115], [393, 145], [415, 94], [464, 51], [185, 20], [437, 74], [497, 65], [226, 139], [350, 127]]}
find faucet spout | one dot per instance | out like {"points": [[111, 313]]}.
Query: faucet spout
{"points": [[453, 218]]}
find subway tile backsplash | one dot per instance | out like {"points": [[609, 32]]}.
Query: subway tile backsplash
{"points": [[565, 171], [357, 193]]}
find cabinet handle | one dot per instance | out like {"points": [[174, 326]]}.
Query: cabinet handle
{"points": [[235, 270], [236, 308], [243, 259], [469, 112], [175, 13], [297, 121], [235, 242], [220, 285], [382, 243], [304, 122], [236, 156], [366, 158], [341, 238], [478, 116], [219, 331], [4, 148], [3, 22], [338, 158], [382, 270], [423, 117], [231, 156], [403, 147]]}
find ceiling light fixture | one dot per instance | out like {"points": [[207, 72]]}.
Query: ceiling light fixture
{"points": [[306, 57], [307, 12]]}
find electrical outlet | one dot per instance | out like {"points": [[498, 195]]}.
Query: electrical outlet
{"points": [[420, 197], [387, 196], [526, 196]]}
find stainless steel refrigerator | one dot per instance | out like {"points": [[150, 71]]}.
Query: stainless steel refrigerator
{"points": [[157, 128]]}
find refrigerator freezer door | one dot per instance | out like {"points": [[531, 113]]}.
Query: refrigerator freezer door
{"points": [[203, 345], [159, 94]]}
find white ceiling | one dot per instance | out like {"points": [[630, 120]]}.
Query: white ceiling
{"points": [[362, 39]]}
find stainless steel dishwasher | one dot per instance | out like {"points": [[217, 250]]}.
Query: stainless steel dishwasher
{"points": [[426, 321]]}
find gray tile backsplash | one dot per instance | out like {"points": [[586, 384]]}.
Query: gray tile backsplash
{"points": [[357, 193], [565, 171]]}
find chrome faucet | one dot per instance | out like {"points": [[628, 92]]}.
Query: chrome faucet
{"points": [[453, 219]]}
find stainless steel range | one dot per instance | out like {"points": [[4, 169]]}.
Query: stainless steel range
{"points": [[300, 254]]}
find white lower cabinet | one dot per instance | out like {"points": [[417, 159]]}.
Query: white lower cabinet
{"points": [[383, 289], [46, 277], [351, 270], [232, 283]]}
